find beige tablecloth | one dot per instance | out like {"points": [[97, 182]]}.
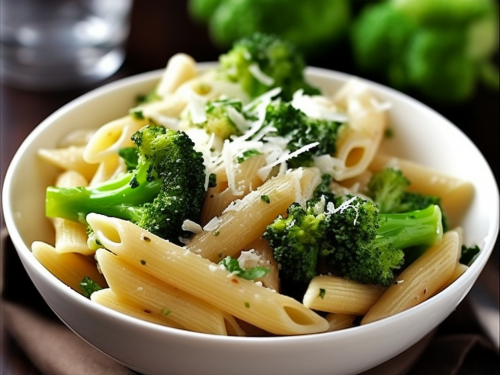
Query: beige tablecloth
{"points": [[457, 347]]}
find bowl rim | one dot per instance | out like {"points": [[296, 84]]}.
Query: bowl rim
{"points": [[23, 251]]}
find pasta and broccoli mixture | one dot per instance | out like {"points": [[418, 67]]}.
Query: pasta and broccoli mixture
{"points": [[243, 200]]}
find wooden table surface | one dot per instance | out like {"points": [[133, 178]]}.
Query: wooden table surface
{"points": [[160, 29]]}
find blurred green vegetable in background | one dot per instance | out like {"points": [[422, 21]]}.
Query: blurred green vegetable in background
{"points": [[310, 25], [438, 50]]}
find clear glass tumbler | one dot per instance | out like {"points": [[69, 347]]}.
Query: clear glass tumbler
{"points": [[62, 44]]}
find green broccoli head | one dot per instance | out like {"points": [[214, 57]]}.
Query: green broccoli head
{"points": [[221, 117], [308, 25], [388, 188], [296, 241], [368, 245], [172, 159], [301, 130], [261, 62], [350, 237], [166, 188]]}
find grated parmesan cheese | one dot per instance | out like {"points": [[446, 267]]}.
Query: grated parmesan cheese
{"points": [[259, 75]]}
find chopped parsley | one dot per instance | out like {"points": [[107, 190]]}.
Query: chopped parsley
{"points": [[265, 198], [212, 180], [137, 114], [322, 293], [89, 286], [247, 155], [165, 311], [233, 266]]}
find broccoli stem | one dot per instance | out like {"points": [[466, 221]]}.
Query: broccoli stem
{"points": [[403, 230], [74, 203]]}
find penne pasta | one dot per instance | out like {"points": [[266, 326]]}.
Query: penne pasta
{"points": [[180, 68], [420, 280], [106, 297], [70, 236], [252, 214], [70, 268], [220, 196], [181, 308], [109, 138], [109, 168], [359, 141], [338, 295], [340, 321], [69, 159], [187, 271]]}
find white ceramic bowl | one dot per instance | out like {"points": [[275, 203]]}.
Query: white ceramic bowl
{"points": [[422, 135]]}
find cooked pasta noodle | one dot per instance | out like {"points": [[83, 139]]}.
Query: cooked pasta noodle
{"points": [[70, 236], [338, 295], [421, 280], [251, 213], [70, 268], [187, 271], [181, 308]]}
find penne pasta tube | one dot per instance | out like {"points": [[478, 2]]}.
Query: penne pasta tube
{"points": [[220, 196], [457, 272], [106, 297], [335, 294], [266, 259], [69, 158], [109, 138], [108, 169], [420, 280], [246, 220], [210, 282], [180, 68], [340, 321], [70, 236], [70, 268], [359, 141], [133, 284], [166, 111]]}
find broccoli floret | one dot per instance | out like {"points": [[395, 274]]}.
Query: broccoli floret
{"points": [[309, 25], [166, 188], [261, 62], [89, 286], [368, 245], [301, 130], [389, 190], [355, 240], [438, 49], [219, 119], [296, 241]]}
